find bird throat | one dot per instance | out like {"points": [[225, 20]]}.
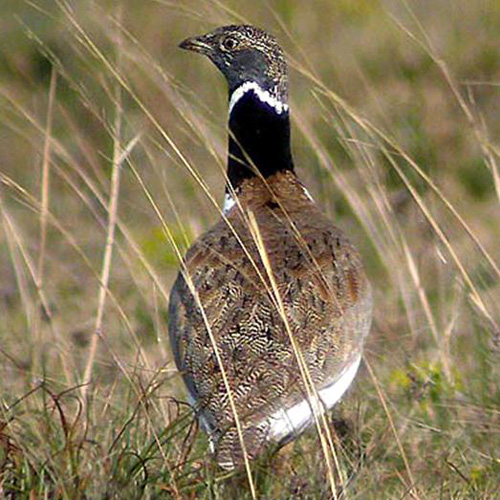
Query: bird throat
{"points": [[259, 134]]}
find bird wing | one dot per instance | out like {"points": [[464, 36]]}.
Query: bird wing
{"points": [[327, 305]]}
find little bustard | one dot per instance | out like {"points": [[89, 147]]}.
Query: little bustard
{"points": [[273, 269]]}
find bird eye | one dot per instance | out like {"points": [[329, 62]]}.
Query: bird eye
{"points": [[230, 43]]}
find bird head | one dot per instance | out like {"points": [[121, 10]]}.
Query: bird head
{"points": [[245, 55]]}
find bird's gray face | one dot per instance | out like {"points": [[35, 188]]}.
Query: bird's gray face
{"points": [[245, 54]]}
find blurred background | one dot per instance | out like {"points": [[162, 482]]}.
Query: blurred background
{"points": [[111, 134]]}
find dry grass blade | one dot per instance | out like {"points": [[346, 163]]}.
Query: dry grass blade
{"points": [[46, 177], [227, 386], [45, 184], [380, 135], [118, 158], [312, 394], [14, 245], [15, 241], [213, 341], [413, 489], [485, 143]]}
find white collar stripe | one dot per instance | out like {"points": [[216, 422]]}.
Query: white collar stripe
{"points": [[229, 202], [264, 95]]}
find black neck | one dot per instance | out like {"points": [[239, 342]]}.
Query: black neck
{"points": [[259, 140]]}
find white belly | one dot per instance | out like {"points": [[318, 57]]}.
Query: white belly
{"points": [[294, 420]]}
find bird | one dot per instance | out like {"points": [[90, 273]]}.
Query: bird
{"points": [[272, 305]]}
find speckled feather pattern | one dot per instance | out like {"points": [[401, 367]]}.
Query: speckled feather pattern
{"points": [[277, 70], [325, 293]]}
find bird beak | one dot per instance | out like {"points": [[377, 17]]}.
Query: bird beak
{"points": [[196, 44]]}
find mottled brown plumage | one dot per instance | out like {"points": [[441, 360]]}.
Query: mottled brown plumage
{"points": [[319, 276], [326, 297]]}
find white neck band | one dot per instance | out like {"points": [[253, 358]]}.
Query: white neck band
{"points": [[264, 96]]}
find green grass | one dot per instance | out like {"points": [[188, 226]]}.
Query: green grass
{"points": [[396, 133]]}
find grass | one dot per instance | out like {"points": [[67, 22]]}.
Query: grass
{"points": [[112, 153]]}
